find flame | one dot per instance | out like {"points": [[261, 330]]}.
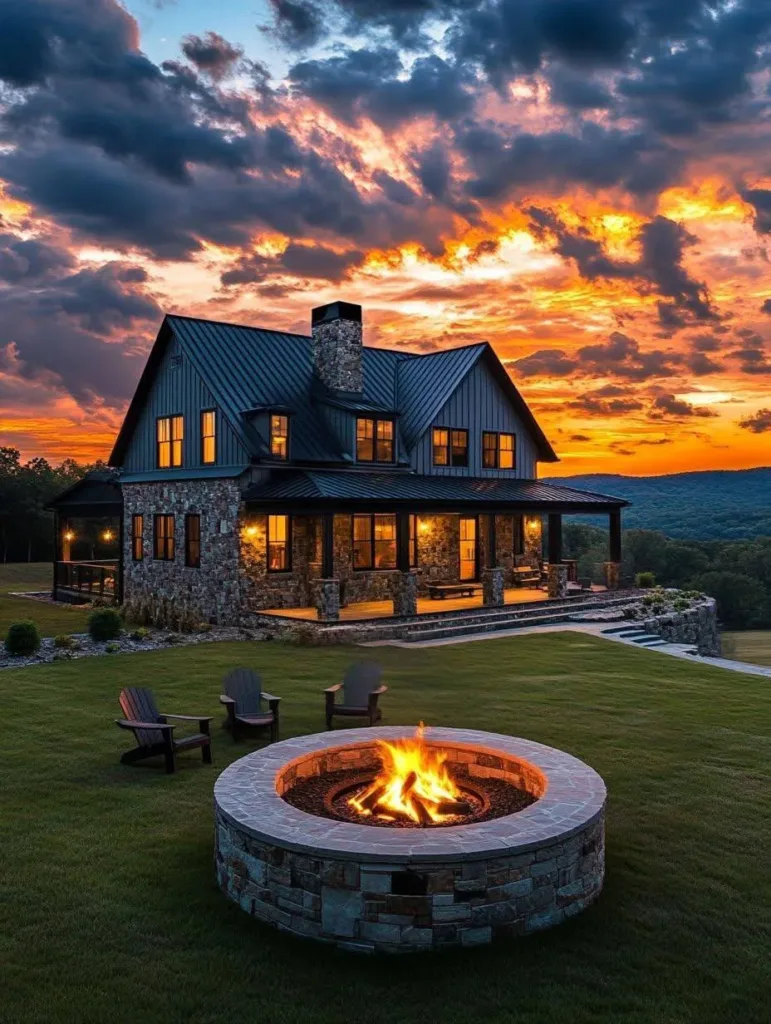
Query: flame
{"points": [[413, 783]]}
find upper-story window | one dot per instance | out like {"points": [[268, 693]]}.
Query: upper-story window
{"points": [[374, 440], [450, 447], [279, 436], [208, 437], [170, 435], [498, 450]]}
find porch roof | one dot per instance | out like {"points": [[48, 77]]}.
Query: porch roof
{"points": [[97, 494], [307, 489]]}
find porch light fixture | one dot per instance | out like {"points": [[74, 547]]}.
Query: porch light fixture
{"points": [[251, 531], [424, 526], [69, 535], [107, 535]]}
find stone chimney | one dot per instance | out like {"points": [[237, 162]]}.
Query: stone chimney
{"points": [[336, 330]]}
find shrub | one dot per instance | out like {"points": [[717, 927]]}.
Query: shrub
{"points": [[681, 604], [112, 648], [22, 638], [104, 624], [645, 580], [66, 643], [140, 633]]}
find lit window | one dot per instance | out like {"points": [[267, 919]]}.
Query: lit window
{"points": [[374, 440], [278, 544], [193, 541], [137, 531], [279, 437], [450, 447], [163, 538], [498, 451], [441, 447], [169, 437], [374, 542], [208, 437]]}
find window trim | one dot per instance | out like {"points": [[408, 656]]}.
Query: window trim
{"points": [[372, 567], [137, 536], [375, 421], [287, 543], [189, 561], [448, 448], [169, 539], [213, 436], [172, 465], [498, 434], [286, 416]]}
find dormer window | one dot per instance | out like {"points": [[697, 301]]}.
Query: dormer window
{"points": [[279, 436], [498, 450], [374, 440], [170, 435]]}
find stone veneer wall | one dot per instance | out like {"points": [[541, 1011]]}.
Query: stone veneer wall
{"points": [[211, 592], [438, 550], [294, 589], [696, 625], [336, 346]]}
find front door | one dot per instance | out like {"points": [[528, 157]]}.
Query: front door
{"points": [[469, 548]]}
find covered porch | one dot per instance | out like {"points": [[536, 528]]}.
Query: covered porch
{"points": [[370, 546]]}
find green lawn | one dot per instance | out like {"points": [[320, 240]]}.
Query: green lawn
{"points": [[109, 913], [51, 619], [753, 645]]}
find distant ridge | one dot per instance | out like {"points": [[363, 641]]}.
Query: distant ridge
{"points": [[706, 505]]}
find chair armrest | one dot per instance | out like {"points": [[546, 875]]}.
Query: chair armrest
{"points": [[379, 690], [226, 700], [191, 718], [269, 697], [334, 689], [124, 723]]}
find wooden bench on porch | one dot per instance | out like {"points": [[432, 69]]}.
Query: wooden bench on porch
{"points": [[436, 590]]}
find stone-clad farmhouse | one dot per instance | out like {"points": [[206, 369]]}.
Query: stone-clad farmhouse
{"points": [[259, 470]]}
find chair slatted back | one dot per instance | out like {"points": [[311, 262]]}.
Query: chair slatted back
{"points": [[138, 705], [359, 681], [244, 685]]}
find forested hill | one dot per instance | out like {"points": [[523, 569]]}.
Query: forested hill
{"points": [[702, 506]]}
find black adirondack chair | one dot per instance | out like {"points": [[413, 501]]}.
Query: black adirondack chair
{"points": [[243, 698], [361, 690], [153, 733]]}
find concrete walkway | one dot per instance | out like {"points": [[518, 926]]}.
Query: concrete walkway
{"points": [[590, 629]]}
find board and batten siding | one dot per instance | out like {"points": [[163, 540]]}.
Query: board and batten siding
{"points": [[179, 390], [478, 404]]}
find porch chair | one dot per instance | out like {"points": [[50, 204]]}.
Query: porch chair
{"points": [[361, 690], [153, 733], [243, 698]]}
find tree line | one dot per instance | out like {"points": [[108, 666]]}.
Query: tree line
{"points": [[737, 573]]}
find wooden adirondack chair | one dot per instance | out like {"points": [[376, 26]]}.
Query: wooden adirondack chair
{"points": [[153, 733], [243, 699], [361, 689]]}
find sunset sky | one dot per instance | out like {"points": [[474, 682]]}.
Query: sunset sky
{"points": [[586, 184]]}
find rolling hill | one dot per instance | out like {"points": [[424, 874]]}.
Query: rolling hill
{"points": [[716, 504]]}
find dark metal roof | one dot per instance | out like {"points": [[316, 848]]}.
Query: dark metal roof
{"points": [[390, 489], [250, 368], [97, 494]]}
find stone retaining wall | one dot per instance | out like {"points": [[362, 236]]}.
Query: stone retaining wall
{"points": [[696, 625]]}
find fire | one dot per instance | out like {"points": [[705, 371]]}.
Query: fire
{"points": [[413, 783]]}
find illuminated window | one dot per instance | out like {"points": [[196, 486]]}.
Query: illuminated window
{"points": [[374, 440], [279, 437], [374, 542], [279, 550], [498, 451], [193, 541], [208, 437], [413, 541], [450, 447], [137, 531], [163, 538], [169, 438]]}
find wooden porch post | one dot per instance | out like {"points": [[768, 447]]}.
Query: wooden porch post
{"points": [[614, 524], [327, 545], [403, 541], [492, 554], [555, 539]]}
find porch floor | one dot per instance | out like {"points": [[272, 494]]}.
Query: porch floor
{"points": [[426, 605]]}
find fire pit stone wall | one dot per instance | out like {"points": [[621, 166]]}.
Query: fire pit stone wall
{"points": [[374, 889]]}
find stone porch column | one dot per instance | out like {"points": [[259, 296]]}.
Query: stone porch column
{"points": [[612, 575], [328, 600], [558, 581], [405, 593], [492, 588]]}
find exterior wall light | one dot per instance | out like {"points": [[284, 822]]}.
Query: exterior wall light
{"points": [[107, 535], [69, 535]]}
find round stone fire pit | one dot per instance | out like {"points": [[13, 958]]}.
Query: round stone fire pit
{"points": [[367, 886]]}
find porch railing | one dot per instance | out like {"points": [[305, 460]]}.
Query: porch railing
{"points": [[94, 579]]}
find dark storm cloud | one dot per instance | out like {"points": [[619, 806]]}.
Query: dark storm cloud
{"points": [[666, 406], [314, 261], [659, 266], [758, 423], [298, 24], [620, 356], [61, 317], [212, 54], [766, 307], [760, 200]]}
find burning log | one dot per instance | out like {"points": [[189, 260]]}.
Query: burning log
{"points": [[372, 798], [454, 807], [408, 784], [421, 810]]}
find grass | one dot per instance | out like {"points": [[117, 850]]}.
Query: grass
{"points": [[753, 645], [51, 619], [109, 912]]}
